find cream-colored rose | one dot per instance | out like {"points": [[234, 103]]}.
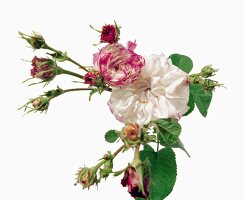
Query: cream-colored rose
{"points": [[161, 91]]}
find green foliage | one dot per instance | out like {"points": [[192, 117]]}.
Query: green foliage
{"points": [[191, 105], [163, 172], [182, 61], [202, 98], [147, 147], [169, 130], [111, 136], [177, 144]]}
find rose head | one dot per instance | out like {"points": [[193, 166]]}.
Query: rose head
{"points": [[43, 68], [119, 66], [136, 187], [109, 34]]}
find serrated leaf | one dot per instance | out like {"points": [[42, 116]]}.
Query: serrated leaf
{"points": [[201, 98], [147, 147], [182, 61], [177, 144], [163, 172], [169, 130], [111, 136], [191, 105]]}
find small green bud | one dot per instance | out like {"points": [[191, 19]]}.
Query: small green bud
{"points": [[208, 71], [87, 177], [40, 103], [35, 40]]}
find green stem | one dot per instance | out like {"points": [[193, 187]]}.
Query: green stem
{"points": [[137, 153], [114, 155], [64, 71], [68, 58], [77, 89], [76, 63]]}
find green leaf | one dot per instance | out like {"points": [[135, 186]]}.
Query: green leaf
{"points": [[163, 172], [111, 136], [182, 61], [201, 98], [147, 147], [191, 105], [177, 144], [169, 130]]}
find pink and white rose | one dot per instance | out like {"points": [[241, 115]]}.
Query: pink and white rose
{"points": [[161, 91], [119, 66]]}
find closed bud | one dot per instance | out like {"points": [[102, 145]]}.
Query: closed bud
{"points": [[40, 103], [131, 134], [208, 71], [87, 177], [35, 40], [43, 68]]}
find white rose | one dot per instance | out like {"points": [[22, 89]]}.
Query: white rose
{"points": [[161, 91]]}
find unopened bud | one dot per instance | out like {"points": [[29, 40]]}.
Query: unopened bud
{"points": [[43, 68], [35, 40], [131, 134], [87, 177], [208, 71], [41, 103]]}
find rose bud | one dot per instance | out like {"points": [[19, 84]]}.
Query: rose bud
{"points": [[131, 131], [138, 185], [208, 71], [36, 40], [131, 134], [43, 68], [109, 34], [91, 77], [41, 103], [87, 177]]}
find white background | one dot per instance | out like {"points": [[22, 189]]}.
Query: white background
{"points": [[40, 154]]}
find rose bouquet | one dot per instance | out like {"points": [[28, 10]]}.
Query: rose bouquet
{"points": [[149, 95]]}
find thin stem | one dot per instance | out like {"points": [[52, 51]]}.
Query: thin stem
{"points": [[64, 71], [114, 155], [68, 58], [118, 151], [137, 152], [77, 89], [76, 63]]}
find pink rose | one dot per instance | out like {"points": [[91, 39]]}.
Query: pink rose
{"points": [[118, 65]]}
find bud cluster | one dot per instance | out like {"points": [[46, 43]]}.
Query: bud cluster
{"points": [[202, 78]]}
